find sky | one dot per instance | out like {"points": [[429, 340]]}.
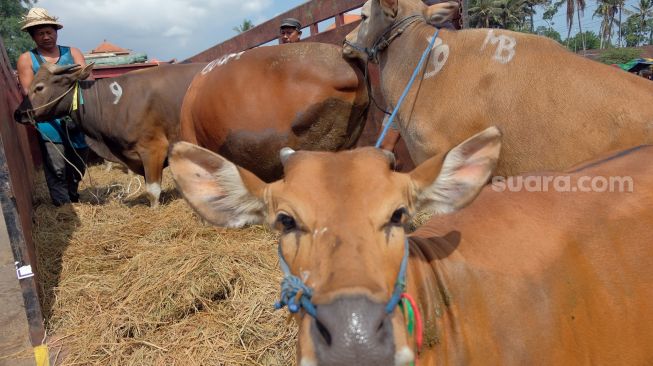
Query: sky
{"points": [[163, 29], [182, 28]]}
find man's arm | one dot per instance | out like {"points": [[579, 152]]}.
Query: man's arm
{"points": [[78, 57], [25, 73]]}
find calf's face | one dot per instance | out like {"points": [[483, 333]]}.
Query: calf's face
{"points": [[50, 95], [341, 217]]}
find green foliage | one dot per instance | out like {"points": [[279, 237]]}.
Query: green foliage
{"points": [[244, 27], [15, 41], [644, 12], [592, 41], [634, 32], [551, 9], [483, 13], [619, 55], [549, 32], [507, 14]]}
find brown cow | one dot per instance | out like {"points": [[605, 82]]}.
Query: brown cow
{"points": [[130, 119], [516, 278], [554, 107], [249, 105]]}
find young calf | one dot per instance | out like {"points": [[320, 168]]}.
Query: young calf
{"points": [[516, 278]]}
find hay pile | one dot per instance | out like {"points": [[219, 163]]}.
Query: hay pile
{"points": [[124, 284]]}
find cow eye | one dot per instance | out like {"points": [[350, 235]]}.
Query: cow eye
{"points": [[39, 88], [363, 17], [397, 216], [287, 223]]}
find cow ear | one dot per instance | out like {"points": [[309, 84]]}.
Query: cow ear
{"points": [[220, 192], [437, 14], [443, 186], [85, 72], [390, 7]]}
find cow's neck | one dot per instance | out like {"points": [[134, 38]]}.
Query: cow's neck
{"points": [[88, 115], [398, 62], [428, 283]]}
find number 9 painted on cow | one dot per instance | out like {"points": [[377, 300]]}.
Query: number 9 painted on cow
{"points": [[439, 57], [116, 90]]}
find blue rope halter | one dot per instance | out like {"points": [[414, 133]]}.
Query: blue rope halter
{"points": [[295, 294], [407, 89]]}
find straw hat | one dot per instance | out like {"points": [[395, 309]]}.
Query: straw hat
{"points": [[39, 16]]}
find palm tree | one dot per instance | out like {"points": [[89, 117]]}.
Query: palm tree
{"points": [[579, 7], [483, 13], [531, 4], [607, 9], [644, 11], [512, 13], [244, 27], [621, 4]]}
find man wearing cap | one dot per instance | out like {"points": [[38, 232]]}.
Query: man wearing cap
{"points": [[59, 139], [291, 31]]}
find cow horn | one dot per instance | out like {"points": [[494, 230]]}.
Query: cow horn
{"points": [[284, 154], [391, 158], [63, 69]]}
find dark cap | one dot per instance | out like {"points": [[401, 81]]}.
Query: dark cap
{"points": [[291, 22]]}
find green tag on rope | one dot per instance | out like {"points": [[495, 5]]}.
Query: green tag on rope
{"points": [[75, 96], [409, 315]]}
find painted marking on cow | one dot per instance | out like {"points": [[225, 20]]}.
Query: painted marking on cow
{"points": [[221, 61], [116, 90], [439, 57], [153, 189], [305, 275], [505, 46], [317, 232]]}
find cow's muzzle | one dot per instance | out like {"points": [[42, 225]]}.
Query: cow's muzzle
{"points": [[353, 330], [23, 114]]}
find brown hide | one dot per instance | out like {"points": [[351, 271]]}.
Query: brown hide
{"points": [[516, 278], [248, 106], [554, 108], [131, 118], [541, 278], [374, 126]]}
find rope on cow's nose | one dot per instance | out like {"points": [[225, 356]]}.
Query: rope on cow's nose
{"points": [[294, 292], [400, 284]]}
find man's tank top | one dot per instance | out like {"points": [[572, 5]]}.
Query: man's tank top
{"points": [[53, 130]]}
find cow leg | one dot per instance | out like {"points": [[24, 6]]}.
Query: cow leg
{"points": [[153, 158]]}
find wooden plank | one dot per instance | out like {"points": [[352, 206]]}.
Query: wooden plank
{"points": [[309, 13], [14, 337], [16, 187], [335, 36]]}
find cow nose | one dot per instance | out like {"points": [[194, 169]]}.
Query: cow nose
{"points": [[353, 331], [20, 114]]}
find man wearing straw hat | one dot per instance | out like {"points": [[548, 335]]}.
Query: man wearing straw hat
{"points": [[62, 145]]}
